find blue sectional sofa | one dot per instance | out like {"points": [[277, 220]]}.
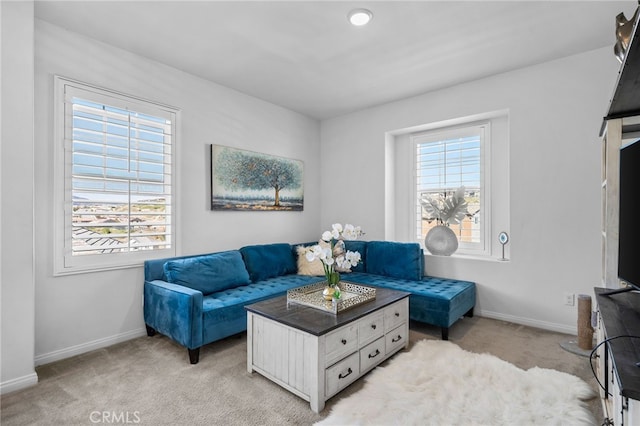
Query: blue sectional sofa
{"points": [[196, 300]]}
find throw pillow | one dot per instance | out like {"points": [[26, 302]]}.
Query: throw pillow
{"points": [[338, 249], [315, 267], [269, 260], [395, 259], [305, 267], [208, 273]]}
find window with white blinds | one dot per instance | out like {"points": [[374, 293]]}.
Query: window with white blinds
{"points": [[445, 161], [118, 175]]}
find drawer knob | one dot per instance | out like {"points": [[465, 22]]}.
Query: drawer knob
{"points": [[397, 339], [349, 371], [344, 341], [375, 354], [397, 314], [373, 326]]}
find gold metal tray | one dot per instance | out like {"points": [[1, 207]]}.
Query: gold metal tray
{"points": [[351, 295]]}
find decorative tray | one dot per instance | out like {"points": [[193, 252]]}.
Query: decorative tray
{"points": [[351, 295]]}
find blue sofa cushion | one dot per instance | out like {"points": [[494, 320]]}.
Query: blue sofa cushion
{"points": [[437, 301], [224, 314], [208, 273], [394, 259], [269, 260]]}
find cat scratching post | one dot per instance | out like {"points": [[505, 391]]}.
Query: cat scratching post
{"points": [[585, 331], [584, 344]]}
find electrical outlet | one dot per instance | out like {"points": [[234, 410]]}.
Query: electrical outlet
{"points": [[569, 299]]}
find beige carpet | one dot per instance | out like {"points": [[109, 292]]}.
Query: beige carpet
{"points": [[149, 380]]}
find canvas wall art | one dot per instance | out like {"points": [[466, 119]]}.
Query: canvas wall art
{"points": [[246, 180]]}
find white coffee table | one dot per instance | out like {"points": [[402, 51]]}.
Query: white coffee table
{"points": [[315, 354]]}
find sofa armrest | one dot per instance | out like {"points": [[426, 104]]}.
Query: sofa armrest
{"points": [[175, 311]]}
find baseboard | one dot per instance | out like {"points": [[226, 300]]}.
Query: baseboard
{"points": [[551, 326], [88, 347], [118, 338], [18, 383]]}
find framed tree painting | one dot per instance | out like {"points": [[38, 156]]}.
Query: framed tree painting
{"points": [[246, 180]]}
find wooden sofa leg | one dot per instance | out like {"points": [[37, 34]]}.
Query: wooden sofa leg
{"points": [[469, 313], [194, 355], [445, 333], [150, 331]]}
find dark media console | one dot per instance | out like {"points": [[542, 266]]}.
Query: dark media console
{"points": [[617, 369], [631, 287]]}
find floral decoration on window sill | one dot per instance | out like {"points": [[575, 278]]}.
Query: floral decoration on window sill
{"points": [[441, 240], [446, 210]]}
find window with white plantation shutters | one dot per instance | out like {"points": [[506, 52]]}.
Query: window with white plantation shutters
{"points": [[445, 161], [118, 175]]}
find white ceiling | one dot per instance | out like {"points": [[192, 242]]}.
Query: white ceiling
{"points": [[305, 56]]}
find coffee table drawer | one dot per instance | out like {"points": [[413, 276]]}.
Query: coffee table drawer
{"points": [[342, 374], [369, 329], [395, 314], [341, 342], [371, 354], [395, 339]]}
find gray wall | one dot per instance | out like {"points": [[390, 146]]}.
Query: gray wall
{"points": [[16, 192], [555, 111], [76, 313]]}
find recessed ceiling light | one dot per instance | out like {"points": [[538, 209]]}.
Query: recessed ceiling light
{"points": [[360, 17]]}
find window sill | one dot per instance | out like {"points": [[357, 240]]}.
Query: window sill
{"points": [[60, 272], [470, 257]]}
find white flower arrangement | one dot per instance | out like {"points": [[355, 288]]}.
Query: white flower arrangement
{"points": [[332, 255], [446, 210]]}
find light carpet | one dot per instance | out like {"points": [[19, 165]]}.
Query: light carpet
{"points": [[438, 383]]}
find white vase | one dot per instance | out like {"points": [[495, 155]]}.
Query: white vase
{"points": [[441, 241]]}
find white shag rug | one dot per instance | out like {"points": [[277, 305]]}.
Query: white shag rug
{"points": [[438, 383]]}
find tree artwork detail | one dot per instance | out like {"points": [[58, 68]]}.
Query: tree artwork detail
{"points": [[244, 180]]}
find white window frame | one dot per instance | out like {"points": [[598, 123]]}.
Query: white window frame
{"points": [[64, 261], [483, 247]]}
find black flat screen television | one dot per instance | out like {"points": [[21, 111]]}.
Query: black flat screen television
{"points": [[629, 224], [629, 220]]}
